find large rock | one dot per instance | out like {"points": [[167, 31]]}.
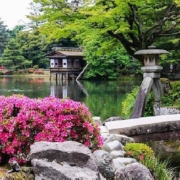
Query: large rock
{"points": [[134, 171], [113, 145], [71, 152], [116, 154], [114, 118], [104, 163], [121, 138], [45, 170]]}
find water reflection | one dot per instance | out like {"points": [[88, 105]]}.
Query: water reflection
{"points": [[103, 98]]}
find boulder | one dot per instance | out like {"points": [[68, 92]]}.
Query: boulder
{"points": [[55, 171], [121, 138], [104, 163], [134, 171], [116, 154], [125, 161], [74, 153], [115, 118], [113, 145]]}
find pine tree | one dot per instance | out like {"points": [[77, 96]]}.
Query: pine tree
{"points": [[13, 55], [3, 37]]}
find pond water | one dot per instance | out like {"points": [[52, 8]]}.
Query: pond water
{"points": [[103, 98]]}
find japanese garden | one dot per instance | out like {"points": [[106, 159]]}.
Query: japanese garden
{"points": [[76, 81]]}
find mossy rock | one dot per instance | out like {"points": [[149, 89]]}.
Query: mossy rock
{"points": [[3, 172], [20, 176], [25, 174], [164, 80]]}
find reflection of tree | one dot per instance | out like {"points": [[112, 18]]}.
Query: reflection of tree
{"points": [[82, 88], [105, 97]]}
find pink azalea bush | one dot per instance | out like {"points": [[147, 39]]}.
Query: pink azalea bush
{"points": [[24, 121]]}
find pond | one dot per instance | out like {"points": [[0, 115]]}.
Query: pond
{"points": [[103, 98]]}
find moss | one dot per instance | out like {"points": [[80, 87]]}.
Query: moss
{"points": [[164, 80]]}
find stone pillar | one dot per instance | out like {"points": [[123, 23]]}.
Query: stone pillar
{"points": [[151, 75], [141, 98]]}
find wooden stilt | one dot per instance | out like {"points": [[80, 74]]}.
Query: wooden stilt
{"points": [[67, 76], [50, 77]]}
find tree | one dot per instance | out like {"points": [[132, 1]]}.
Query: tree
{"points": [[107, 58], [12, 55], [136, 24], [16, 30], [3, 37], [33, 46]]}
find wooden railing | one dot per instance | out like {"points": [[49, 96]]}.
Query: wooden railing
{"points": [[60, 69]]}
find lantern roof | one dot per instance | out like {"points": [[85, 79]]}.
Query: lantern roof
{"points": [[151, 50]]}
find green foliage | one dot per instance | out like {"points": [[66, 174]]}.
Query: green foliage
{"points": [[128, 103], [149, 105], [145, 155], [172, 98], [15, 31], [135, 24], [35, 66], [33, 46], [107, 62], [160, 170], [13, 55], [4, 37], [139, 151]]}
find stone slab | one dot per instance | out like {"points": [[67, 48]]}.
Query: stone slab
{"points": [[145, 125]]}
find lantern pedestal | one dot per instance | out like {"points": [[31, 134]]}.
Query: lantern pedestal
{"points": [[151, 79]]}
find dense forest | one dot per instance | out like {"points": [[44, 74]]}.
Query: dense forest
{"points": [[110, 32]]}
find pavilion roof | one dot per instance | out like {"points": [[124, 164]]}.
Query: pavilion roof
{"points": [[68, 52]]}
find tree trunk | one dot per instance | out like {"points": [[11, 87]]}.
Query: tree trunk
{"points": [[82, 72]]}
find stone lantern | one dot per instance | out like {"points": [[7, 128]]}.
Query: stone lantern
{"points": [[151, 78], [151, 61]]}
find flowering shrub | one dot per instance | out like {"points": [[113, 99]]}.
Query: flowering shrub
{"points": [[39, 71], [24, 121]]}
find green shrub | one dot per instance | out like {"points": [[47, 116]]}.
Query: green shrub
{"points": [[35, 66], [128, 103], [145, 155], [138, 151], [172, 98]]}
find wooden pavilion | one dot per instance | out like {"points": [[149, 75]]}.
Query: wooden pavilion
{"points": [[66, 63]]}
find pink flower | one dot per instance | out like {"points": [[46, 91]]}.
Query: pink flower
{"points": [[87, 143], [24, 121]]}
